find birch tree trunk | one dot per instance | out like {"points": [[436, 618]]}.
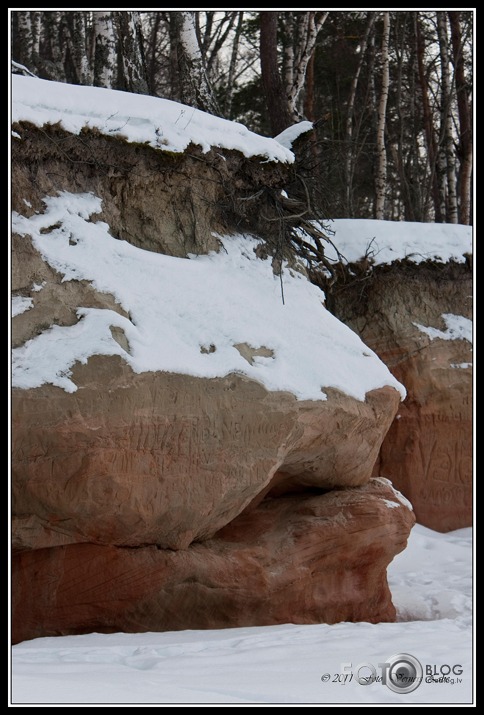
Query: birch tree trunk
{"points": [[305, 34], [289, 24], [23, 45], [74, 35], [447, 156], [81, 47], [194, 86], [381, 170], [36, 35], [105, 55], [132, 65]]}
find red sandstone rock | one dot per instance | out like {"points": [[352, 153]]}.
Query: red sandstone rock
{"points": [[167, 459], [294, 558], [427, 452], [176, 468]]}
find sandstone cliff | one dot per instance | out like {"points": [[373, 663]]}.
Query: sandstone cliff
{"points": [[416, 313], [305, 558], [177, 426]]}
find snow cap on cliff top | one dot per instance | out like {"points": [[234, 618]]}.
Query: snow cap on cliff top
{"points": [[390, 241], [160, 123]]}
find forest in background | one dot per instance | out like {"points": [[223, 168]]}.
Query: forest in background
{"points": [[389, 92]]}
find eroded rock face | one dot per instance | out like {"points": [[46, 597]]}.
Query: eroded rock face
{"points": [[293, 559], [163, 501], [167, 459], [428, 450], [170, 203], [161, 458]]}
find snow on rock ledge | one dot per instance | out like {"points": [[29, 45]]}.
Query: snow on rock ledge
{"points": [[289, 135], [385, 242], [189, 316], [159, 123], [173, 393]]}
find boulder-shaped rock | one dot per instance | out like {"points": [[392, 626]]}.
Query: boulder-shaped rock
{"points": [[297, 558], [167, 459], [156, 397], [192, 429]]}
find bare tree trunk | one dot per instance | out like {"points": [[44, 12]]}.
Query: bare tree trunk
{"points": [[349, 159], [418, 174], [233, 65], [215, 35], [465, 123], [53, 56], [152, 46], [85, 60], [279, 115], [309, 93], [36, 34], [289, 24], [404, 144], [381, 171], [132, 61], [175, 81], [194, 86], [304, 43], [428, 122], [447, 134], [23, 45], [81, 45], [105, 49], [77, 64]]}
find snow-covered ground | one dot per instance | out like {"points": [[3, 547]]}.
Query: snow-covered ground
{"points": [[431, 582]]}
